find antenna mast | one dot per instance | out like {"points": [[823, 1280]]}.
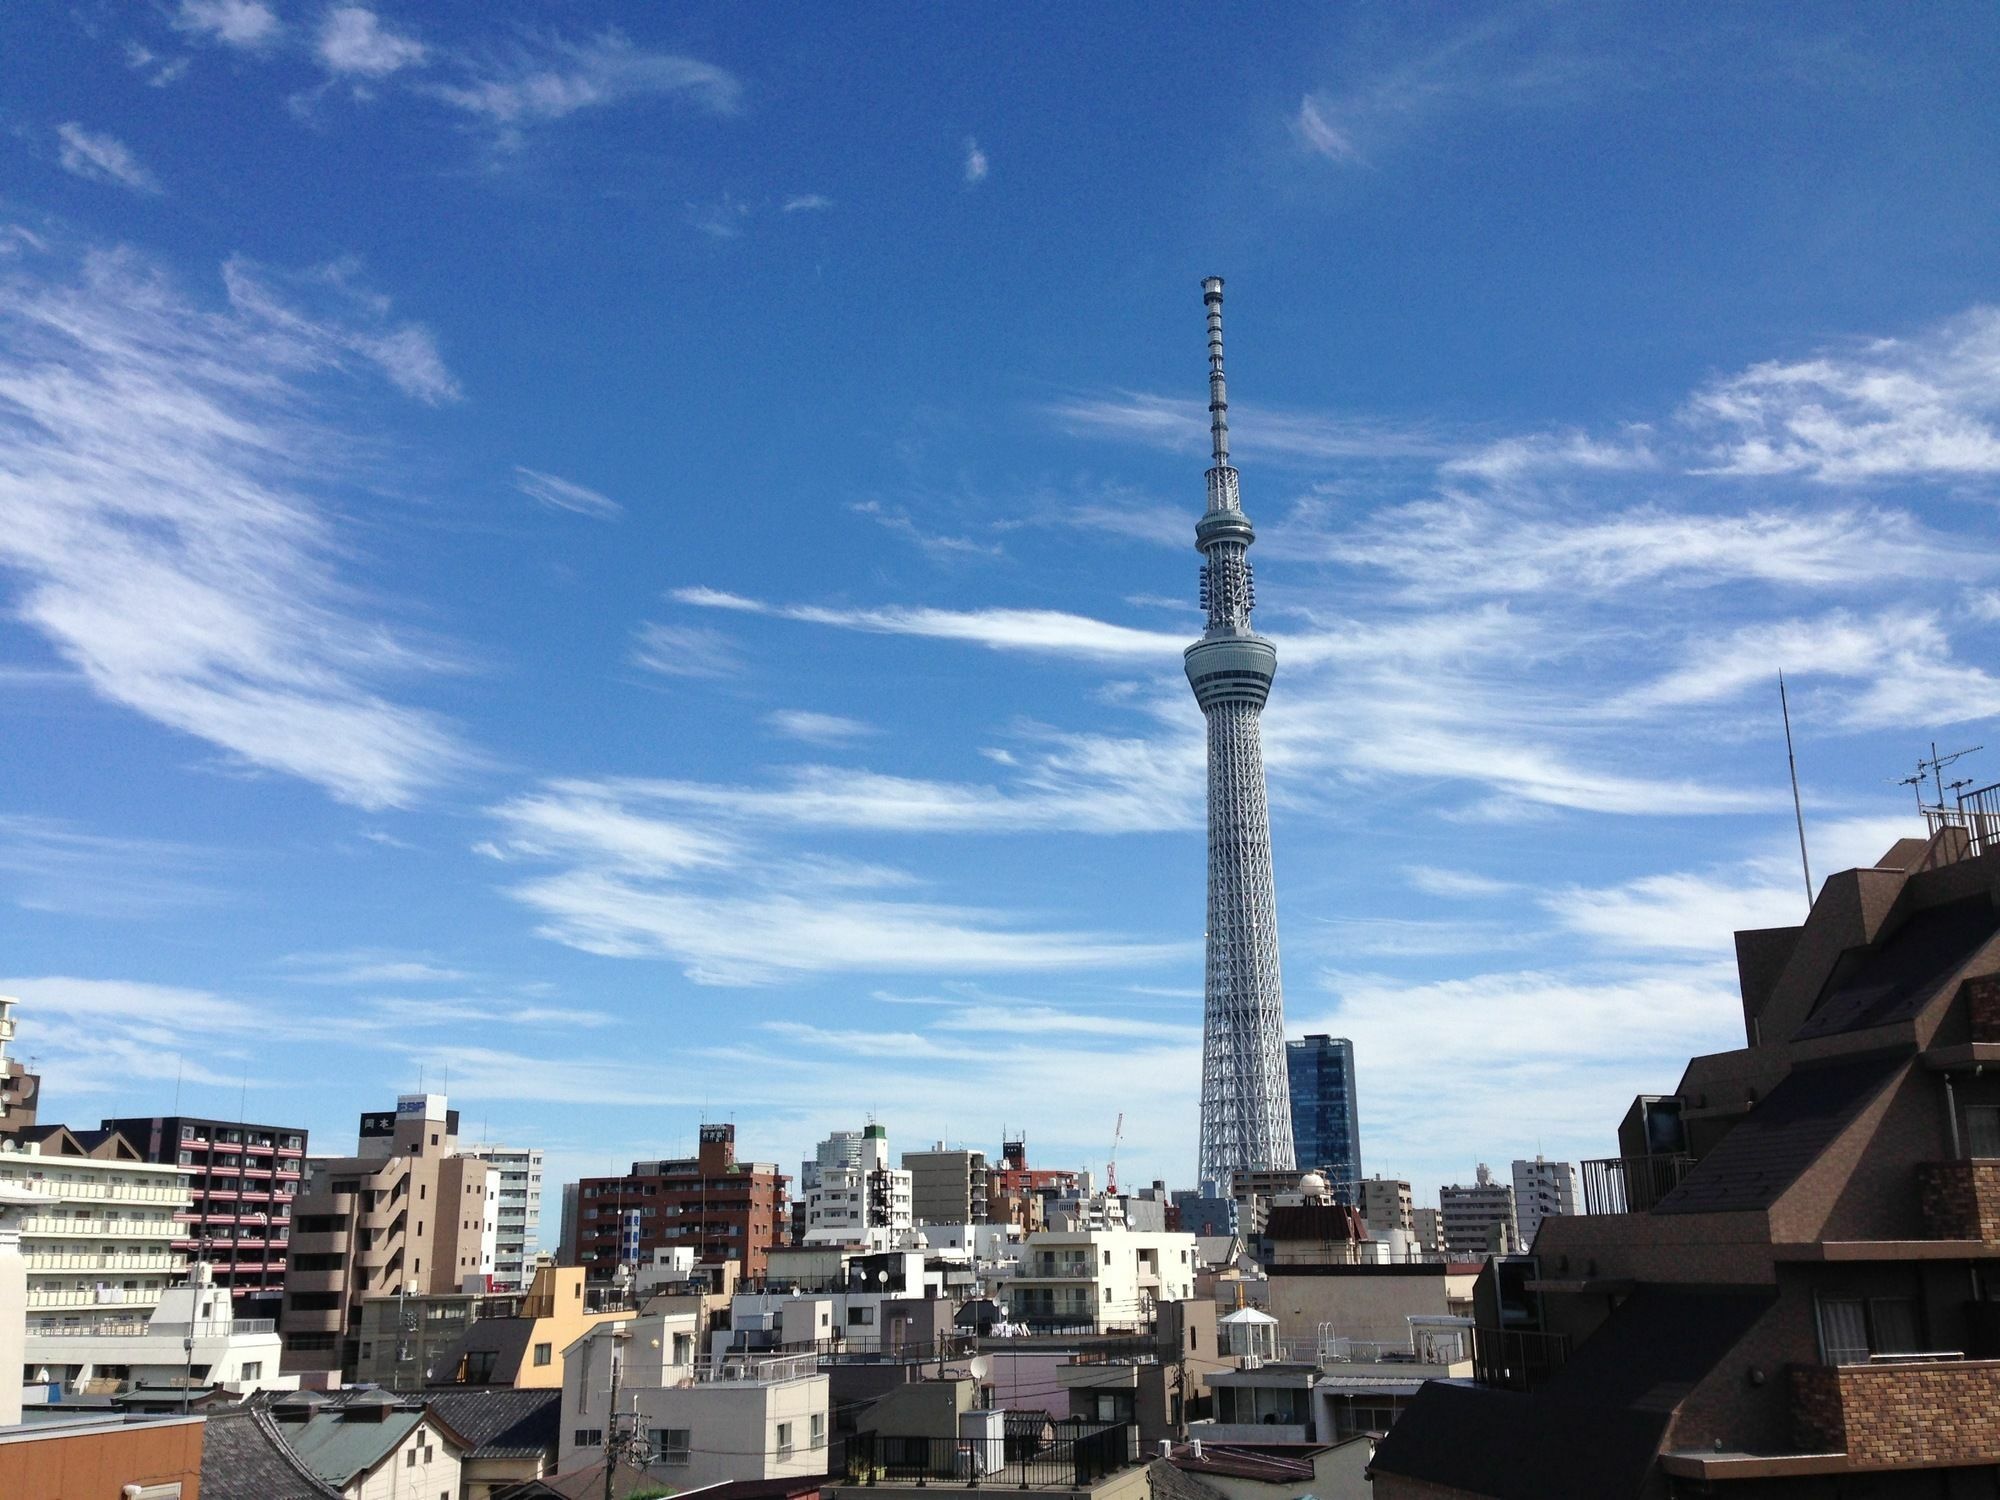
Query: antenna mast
{"points": [[1798, 809]]}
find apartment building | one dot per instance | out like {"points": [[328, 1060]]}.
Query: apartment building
{"points": [[1018, 1193], [242, 1181], [406, 1212], [1791, 1290], [1542, 1188], [102, 1239], [708, 1421], [948, 1186], [1479, 1218], [1427, 1224], [1386, 1205], [1099, 1279], [518, 1224], [724, 1209], [866, 1203], [19, 1089]]}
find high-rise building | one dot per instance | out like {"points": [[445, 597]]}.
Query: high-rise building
{"points": [[243, 1179], [18, 1087], [866, 1201], [405, 1211], [1245, 1107], [1326, 1119], [948, 1186], [1542, 1188], [1479, 1219], [518, 1225], [721, 1208]]}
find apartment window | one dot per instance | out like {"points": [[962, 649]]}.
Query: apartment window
{"points": [[1982, 1130], [784, 1440], [819, 1429], [590, 1437], [673, 1445], [683, 1348], [1853, 1328], [253, 1369], [544, 1354], [860, 1317]]}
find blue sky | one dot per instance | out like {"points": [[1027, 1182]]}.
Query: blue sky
{"points": [[635, 558]]}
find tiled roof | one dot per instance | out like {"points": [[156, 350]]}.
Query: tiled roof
{"points": [[1895, 979], [501, 1424], [1783, 1134], [243, 1457]]}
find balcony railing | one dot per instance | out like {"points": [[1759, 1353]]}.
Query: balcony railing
{"points": [[1072, 1462], [123, 1262], [1517, 1359], [1056, 1270], [106, 1192], [99, 1228], [1914, 1411], [126, 1328], [1631, 1184]]}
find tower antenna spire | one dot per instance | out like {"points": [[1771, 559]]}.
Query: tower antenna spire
{"points": [[1218, 385]]}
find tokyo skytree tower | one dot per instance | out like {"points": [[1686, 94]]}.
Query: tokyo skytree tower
{"points": [[1246, 1120]]}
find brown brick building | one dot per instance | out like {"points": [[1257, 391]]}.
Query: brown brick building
{"points": [[725, 1209], [1788, 1283]]}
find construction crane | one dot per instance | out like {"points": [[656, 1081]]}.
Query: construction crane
{"points": [[1111, 1166]]}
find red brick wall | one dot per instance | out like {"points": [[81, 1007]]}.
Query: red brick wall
{"points": [[1961, 1200], [1944, 1413]]}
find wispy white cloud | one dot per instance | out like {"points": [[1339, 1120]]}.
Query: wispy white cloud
{"points": [[545, 80], [1925, 405], [806, 203], [353, 43], [344, 320], [818, 728], [685, 651], [1457, 884], [1180, 425], [935, 543], [1040, 630], [102, 158], [49, 865], [1512, 458], [563, 494], [249, 24], [162, 70], [1320, 135], [975, 163], [152, 509]]}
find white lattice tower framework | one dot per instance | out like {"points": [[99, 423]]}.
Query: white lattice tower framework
{"points": [[1246, 1119]]}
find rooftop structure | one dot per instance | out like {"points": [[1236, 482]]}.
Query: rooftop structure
{"points": [[1245, 1100], [1479, 1217]]}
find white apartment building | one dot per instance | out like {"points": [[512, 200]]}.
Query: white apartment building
{"points": [[707, 1421], [1541, 1189], [1101, 1279], [193, 1334], [518, 1216], [1479, 1219], [102, 1239], [869, 1202], [1386, 1204]]}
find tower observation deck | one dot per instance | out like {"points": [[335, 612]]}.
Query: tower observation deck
{"points": [[1245, 1102]]}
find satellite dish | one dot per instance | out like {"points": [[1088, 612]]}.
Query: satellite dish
{"points": [[979, 1367]]}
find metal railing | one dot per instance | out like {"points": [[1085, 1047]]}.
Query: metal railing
{"points": [[1075, 1461], [1518, 1359], [1631, 1184], [126, 1328], [753, 1370], [1978, 813], [100, 1192], [124, 1262], [100, 1228]]}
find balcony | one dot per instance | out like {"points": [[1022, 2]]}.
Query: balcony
{"points": [[1631, 1184], [109, 1296], [1900, 1411], [1076, 1461], [107, 1192], [120, 1262], [101, 1228], [1960, 1200], [1057, 1270]]}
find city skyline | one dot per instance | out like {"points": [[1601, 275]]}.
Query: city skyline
{"points": [[635, 567]]}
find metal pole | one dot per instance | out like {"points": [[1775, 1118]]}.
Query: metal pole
{"points": [[1798, 809]]}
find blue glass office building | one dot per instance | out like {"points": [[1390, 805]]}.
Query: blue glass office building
{"points": [[1326, 1122]]}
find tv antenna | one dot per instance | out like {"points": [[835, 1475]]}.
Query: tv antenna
{"points": [[1798, 809], [1932, 770]]}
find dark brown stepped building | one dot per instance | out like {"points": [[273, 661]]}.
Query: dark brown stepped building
{"points": [[725, 1209], [1788, 1283]]}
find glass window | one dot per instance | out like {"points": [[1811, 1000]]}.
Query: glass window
{"points": [[672, 1445], [1893, 1326], [1982, 1130], [784, 1440], [1843, 1330], [590, 1437], [544, 1354]]}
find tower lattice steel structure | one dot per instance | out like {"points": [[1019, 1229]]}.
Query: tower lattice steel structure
{"points": [[1246, 1121]]}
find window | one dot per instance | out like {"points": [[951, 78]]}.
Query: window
{"points": [[819, 1429], [1982, 1130], [253, 1369], [544, 1354], [590, 1437], [683, 1348], [410, 1459], [673, 1445], [1851, 1329], [784, 1440], [860, 1317]]}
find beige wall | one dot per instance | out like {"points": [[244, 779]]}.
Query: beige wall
{"points": [[1363, 1302], [396, 1479]]}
